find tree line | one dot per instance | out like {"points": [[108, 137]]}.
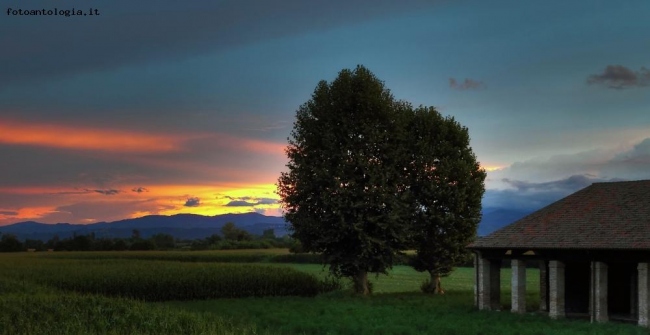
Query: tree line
{"points": [[231, 237]]}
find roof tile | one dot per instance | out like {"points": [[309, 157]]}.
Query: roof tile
{"points": [[612, 215]]}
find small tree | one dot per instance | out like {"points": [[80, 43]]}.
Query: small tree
{"points": [[232, 233], [447, 184], [135, 235]]}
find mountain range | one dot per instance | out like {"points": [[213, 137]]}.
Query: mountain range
{"points": [[191, 226], [183, 226]]}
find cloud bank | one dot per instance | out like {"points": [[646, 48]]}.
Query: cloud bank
{"points": [[561, 175], [173, 30]]}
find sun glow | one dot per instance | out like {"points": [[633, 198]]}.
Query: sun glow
{"points": [[490, 168]]}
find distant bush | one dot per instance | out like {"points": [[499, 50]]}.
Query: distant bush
{"points": [[143, 245], [9, 243]]}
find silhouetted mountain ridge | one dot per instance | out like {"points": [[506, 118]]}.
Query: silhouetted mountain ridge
{"points": [[496, 218], [185, 226], [192, 226]]}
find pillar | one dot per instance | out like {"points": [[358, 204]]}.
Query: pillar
{"points": [[488, 284], [599, 292], [518, 285], [556, 288], [543, 286], [644, 294]]}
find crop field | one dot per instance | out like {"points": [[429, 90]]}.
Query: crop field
{"points": [[247, 292]]}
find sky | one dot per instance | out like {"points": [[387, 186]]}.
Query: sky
{"points": [[166, 106]]}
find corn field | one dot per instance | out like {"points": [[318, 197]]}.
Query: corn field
{"points": [[154, 280]]}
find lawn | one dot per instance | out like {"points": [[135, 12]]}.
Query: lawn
{"points": [[50, 293]]}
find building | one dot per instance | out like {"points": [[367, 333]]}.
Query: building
{"points": [[593, 251]]}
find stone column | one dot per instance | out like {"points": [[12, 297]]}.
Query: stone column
{"points": [[543, 286], [488, 284], [556, 288], [644, 294], [483, 283], [518, 285], [599, 292]]}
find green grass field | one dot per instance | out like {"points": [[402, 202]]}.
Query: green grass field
{"points": [[84, 293]]}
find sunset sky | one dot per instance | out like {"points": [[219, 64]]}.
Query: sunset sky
{"points": [[167, 106]]}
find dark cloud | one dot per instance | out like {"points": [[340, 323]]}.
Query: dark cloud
{"points": [[467, 84], [572, 183], [246, 201], [192, 202], [173, 30], [529, 196], [266, 201], [139, 189], [105, 192], [620, 77], [84, 191], [239, 203], [9, 213]]}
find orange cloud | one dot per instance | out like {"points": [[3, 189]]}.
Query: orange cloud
{"points": [[124, 141], [30, 190], [86, 138], [33, 213]]}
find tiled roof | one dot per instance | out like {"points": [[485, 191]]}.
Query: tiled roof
{"points": [[601, 216]]}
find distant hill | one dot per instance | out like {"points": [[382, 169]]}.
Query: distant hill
{"points": [[184, 226], [495, 218], [191, 226]]}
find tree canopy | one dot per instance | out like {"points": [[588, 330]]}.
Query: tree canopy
{"points": [[355, 187], [447, 184]]}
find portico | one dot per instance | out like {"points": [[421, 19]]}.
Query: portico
{"points": [[593, 253]]}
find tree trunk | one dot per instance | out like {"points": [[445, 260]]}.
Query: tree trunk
{"points": [[435, 283], [361, 282]]}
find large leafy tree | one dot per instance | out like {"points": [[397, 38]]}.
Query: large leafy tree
{"points": [[344, 193], [447, 184]]}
